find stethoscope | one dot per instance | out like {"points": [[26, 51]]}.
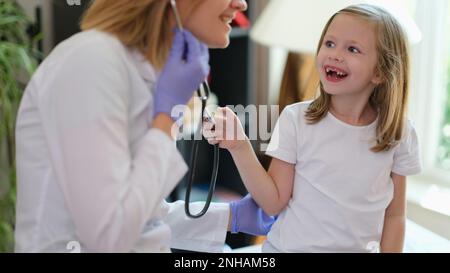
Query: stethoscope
{"points": [[203, 93]]}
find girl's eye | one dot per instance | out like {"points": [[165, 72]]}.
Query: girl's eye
{"points": [[329, 44], [353, 49]]}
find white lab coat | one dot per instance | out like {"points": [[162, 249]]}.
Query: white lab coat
{"points": [[89, 167]]}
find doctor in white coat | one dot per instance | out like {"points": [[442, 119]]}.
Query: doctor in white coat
{"points": [[95, 153]]}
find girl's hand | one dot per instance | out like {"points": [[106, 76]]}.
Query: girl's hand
{"points": [[226, 130]]}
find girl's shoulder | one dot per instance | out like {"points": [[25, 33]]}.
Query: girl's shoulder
{"points": [[298, 109], [409, 132], [296, 112]]}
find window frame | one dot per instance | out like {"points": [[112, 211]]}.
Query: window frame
{"points": [[429, 86]]}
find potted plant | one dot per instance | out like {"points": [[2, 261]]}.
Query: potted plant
{"points": [[18, 60]]}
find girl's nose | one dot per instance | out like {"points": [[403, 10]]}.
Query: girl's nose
{"points": [[239, 5], [336, 58]]}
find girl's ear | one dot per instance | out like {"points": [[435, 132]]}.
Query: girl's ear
{"points": [[377, 78]]}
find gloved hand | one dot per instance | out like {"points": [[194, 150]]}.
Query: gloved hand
{"points": [[181, 77], [248, 217]]}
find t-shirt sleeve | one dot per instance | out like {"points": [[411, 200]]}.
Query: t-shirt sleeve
{"points": [[283, 144], [407, 156]]}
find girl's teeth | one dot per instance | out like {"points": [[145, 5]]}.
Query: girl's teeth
{"points": [[328, 70]]}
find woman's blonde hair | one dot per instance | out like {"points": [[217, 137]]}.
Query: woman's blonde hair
{"points": [[143, 24], [389, 97]]}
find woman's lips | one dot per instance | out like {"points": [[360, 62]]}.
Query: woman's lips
{"points": [[227, 19]]}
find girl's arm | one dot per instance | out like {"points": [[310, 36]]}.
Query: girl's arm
{"points": [[393, 235], [271, 190]]}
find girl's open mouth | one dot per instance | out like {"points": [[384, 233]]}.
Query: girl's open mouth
{"points": [[334, 74]]}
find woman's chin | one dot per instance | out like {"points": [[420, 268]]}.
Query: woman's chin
{"points": [[220, 43]]}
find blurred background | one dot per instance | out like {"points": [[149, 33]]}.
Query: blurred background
{"points": [[270, 61]]}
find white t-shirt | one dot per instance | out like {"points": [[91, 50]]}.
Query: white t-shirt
{"points": [[341, 188]]}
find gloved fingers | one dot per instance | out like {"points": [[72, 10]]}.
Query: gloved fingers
{"points": [[204, 52], [237, 218], [197, 56], [178, 45], [193, 47], [248, 217], [265, 217]]}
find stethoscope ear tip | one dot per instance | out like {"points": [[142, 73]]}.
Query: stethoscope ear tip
{"points": [[177, 14]]}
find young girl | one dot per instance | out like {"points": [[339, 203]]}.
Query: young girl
{"points": [[338, 174]]}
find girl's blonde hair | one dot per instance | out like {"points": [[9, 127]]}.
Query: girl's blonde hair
{"points": [[143, 24], [391, 96]]}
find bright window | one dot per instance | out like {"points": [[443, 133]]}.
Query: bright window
{"points": [[430, 90], [444, 145]]}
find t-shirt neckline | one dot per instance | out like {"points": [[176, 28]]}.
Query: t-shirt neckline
{"points": [[357, 127]]}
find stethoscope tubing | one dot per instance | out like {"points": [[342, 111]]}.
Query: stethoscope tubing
{"points": [[194, 153], [193, 163]]}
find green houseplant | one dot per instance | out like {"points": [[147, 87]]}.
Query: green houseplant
{"points": [[18, 60]]}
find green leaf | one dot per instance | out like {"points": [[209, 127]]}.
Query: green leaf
{"points": [[26, 60], [10, 20], [17, 54]]}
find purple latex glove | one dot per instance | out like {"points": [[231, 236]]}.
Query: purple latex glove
{"points": [[186, 68], [248, 217]]}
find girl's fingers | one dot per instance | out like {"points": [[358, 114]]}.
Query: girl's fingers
{"points": [[209, 134], [208, 125], [208, 130], [213, 141], [219, 121], [225, 124]]}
